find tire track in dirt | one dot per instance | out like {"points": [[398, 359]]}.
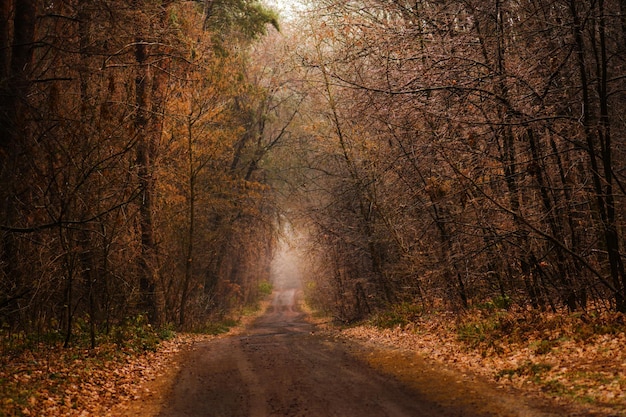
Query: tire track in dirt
{"points": [[256, 390]]}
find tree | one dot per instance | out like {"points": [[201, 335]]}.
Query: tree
{"points": [[478, 143], [84, 129]]}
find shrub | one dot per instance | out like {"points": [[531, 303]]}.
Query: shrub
{"points": [[265, 288], [397, 315]]}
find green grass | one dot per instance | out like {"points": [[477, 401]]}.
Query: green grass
{"points": [[397, 315], [265, 288], [528, 368], [217, 327]]}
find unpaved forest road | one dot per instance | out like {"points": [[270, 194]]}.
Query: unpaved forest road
{"points": [[279, 366]]}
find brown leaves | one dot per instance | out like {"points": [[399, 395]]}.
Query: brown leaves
{"points": [[555, 354], [50, 381]]}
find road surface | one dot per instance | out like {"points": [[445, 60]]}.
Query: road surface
{"points": [[280, 366]]}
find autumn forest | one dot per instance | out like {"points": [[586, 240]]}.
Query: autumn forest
{"points": [[154, 154]]}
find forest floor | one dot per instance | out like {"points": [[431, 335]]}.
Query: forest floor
{"points": [[571, 363], [47, 380], [576, 360]]}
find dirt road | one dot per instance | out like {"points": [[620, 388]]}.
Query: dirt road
{"points": [[280, 366]]}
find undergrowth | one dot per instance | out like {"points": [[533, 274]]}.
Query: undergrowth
{"points": [[487, 329], [265, 288], [572, 355], [397, 315], [488, 326], [134, 333], [37, 373], [217, 327]]}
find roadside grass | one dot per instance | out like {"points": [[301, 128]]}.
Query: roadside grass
{"points": [[265, 288], [397, 315], [239, 317], [38, 377], [580, 357], [215, 328]]}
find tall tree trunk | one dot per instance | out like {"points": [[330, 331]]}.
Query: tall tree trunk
{"points": [[365, 204], [150, 95], [622, 12], [505, 138], [191, 211], [5, 42], [567, 290], [15, 74], [606, 146], [602, 178], [147, 270]]}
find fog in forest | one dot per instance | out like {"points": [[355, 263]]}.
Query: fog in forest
{"points": [[286, 267]]}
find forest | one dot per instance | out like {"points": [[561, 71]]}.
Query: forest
{"points": [[437, 154], [132, 133], [466, 153]]}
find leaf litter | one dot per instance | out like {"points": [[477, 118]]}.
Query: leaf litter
{"points": [[51, 381], [573, 359]]}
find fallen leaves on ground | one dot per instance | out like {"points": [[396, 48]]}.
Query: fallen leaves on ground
{"points": [[563, 356], [52, 381]]}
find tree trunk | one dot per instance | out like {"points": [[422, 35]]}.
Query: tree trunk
{"points": [[191, 224], [16, 65], [5, 42], [567, 290], [147, 281], [602, 178]]}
